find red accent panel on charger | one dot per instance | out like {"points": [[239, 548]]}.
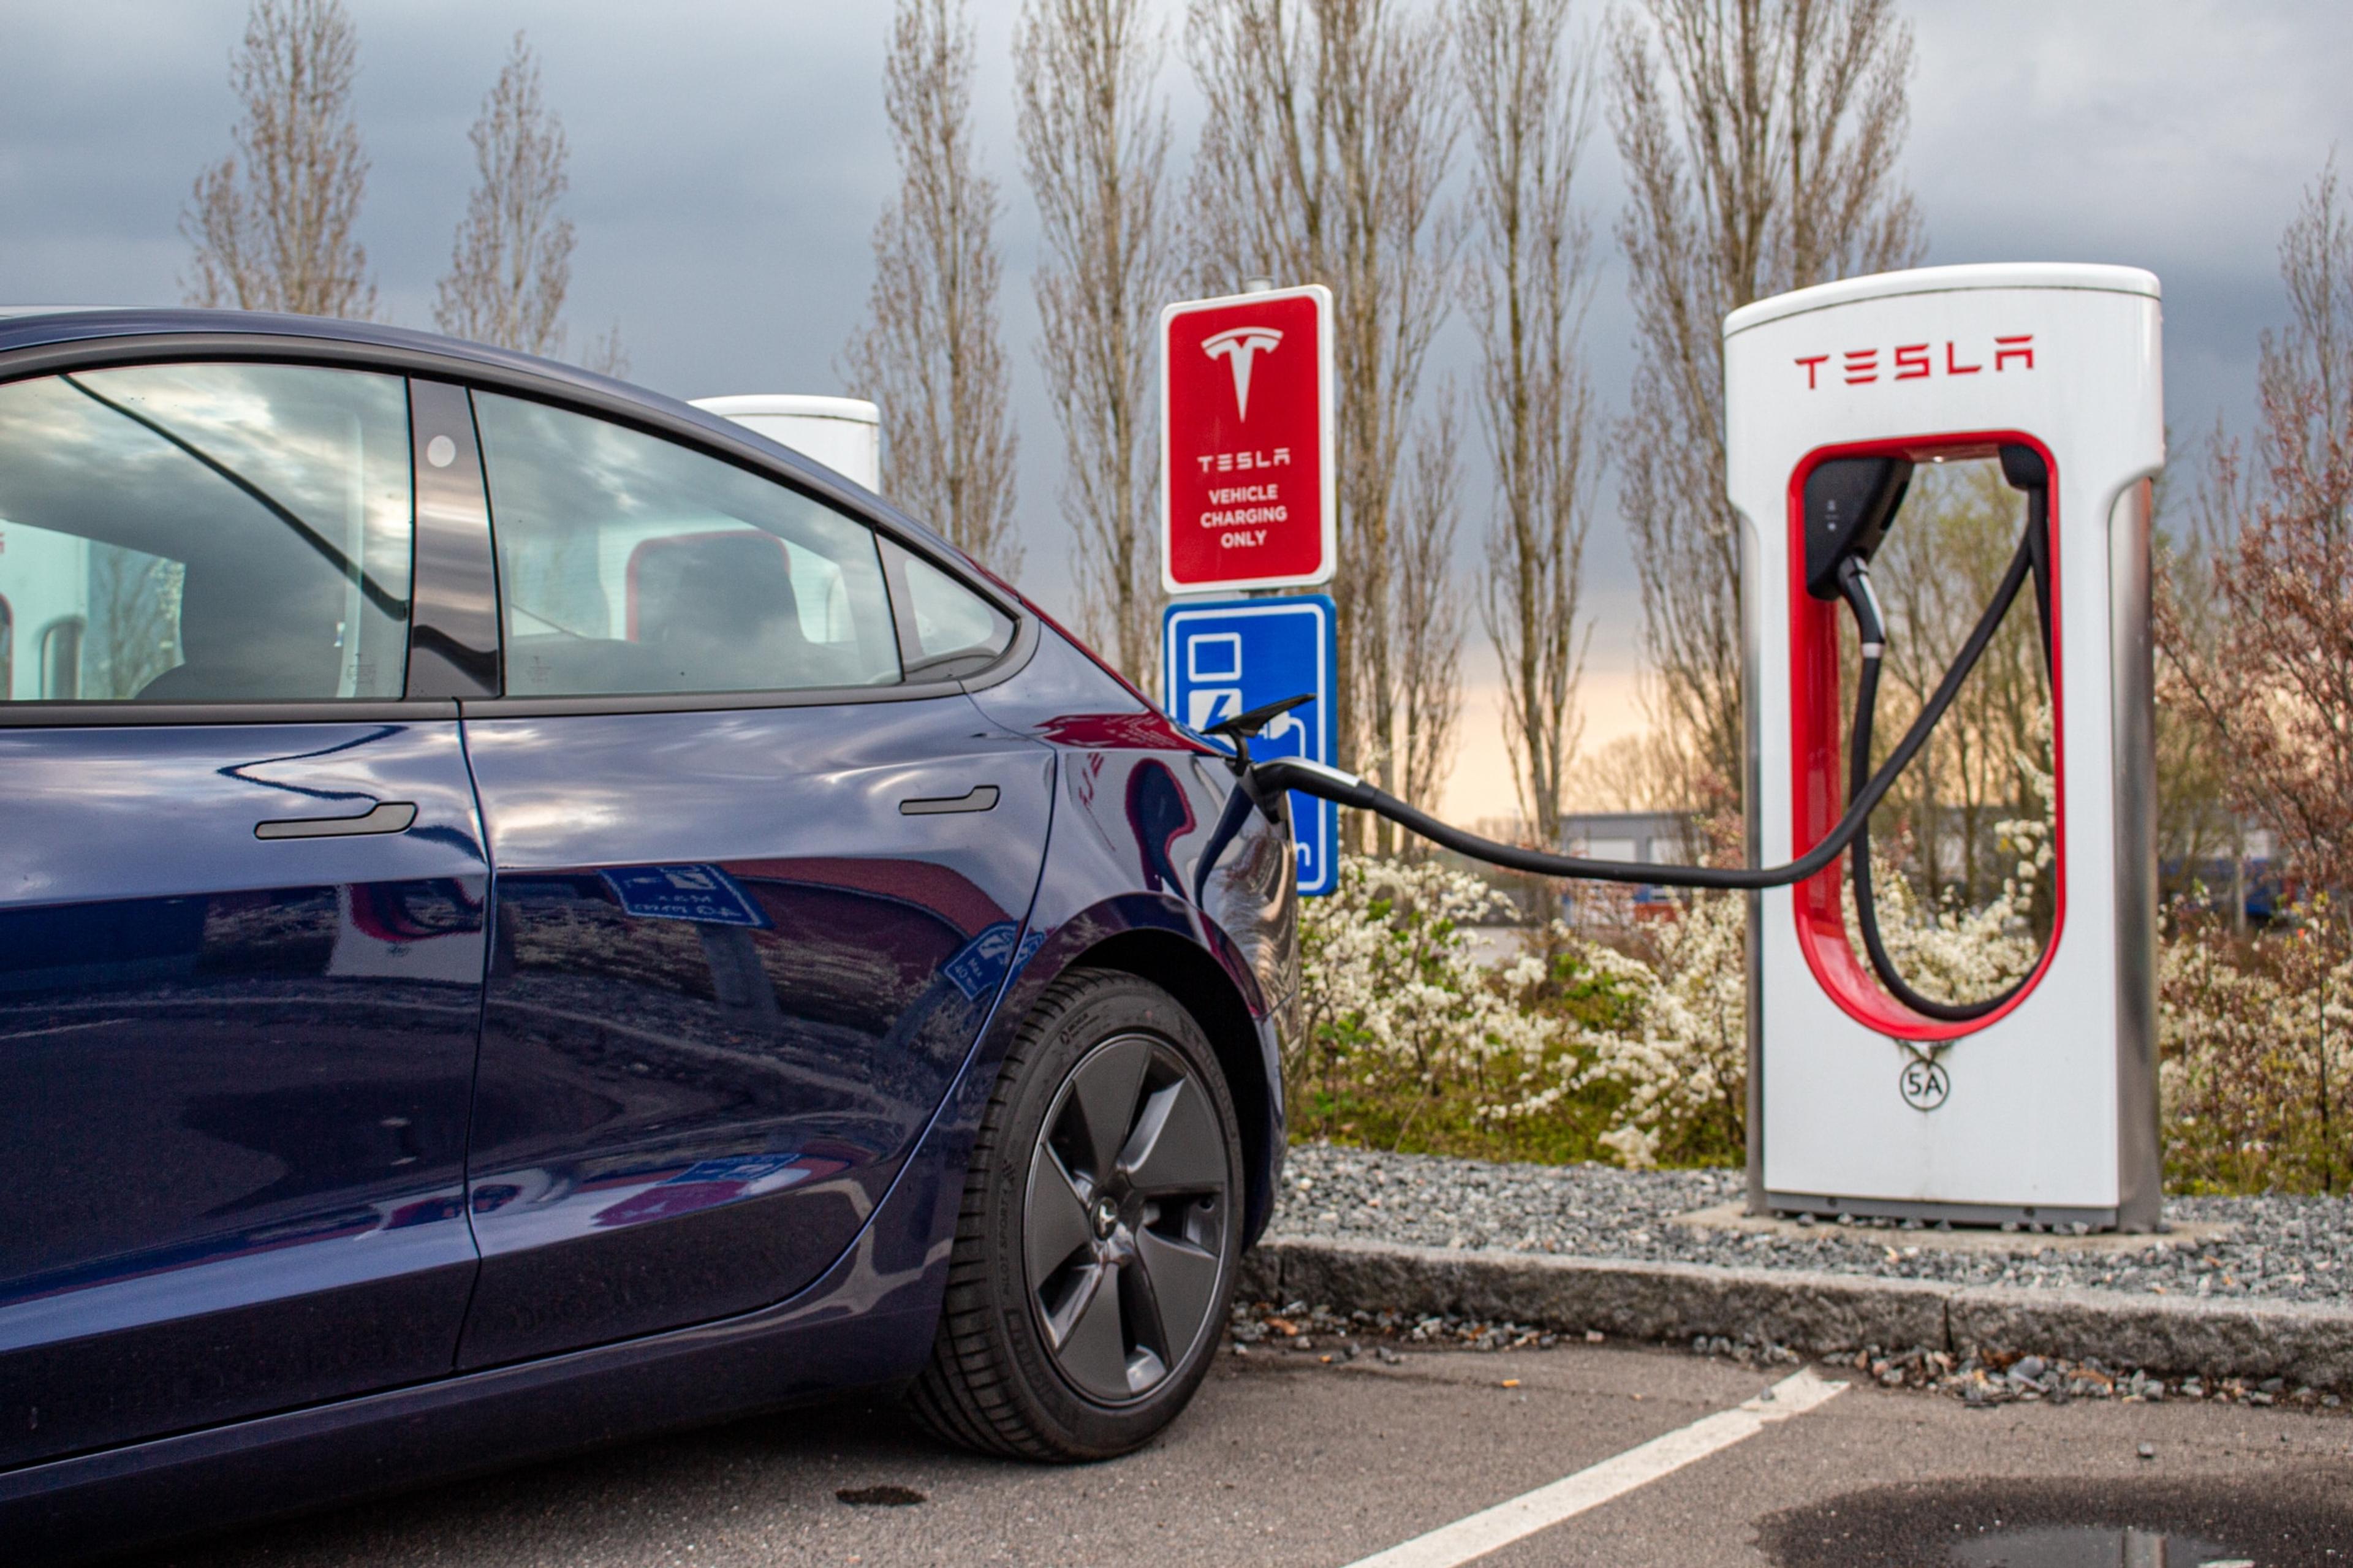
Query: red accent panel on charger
{"points": [[1818, 755]]}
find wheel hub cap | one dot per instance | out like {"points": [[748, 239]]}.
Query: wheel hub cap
{"points": [[1123, 1221]]}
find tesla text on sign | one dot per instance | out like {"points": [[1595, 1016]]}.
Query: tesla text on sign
{"points": [[1246, 441], [1229, 656]]}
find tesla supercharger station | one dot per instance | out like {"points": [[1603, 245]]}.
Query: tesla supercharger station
{"points": [[2044, 1111], [845, 434]]}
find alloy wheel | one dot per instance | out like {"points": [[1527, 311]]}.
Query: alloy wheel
{"points": [[1123, 1221]]}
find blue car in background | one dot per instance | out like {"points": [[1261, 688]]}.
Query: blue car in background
{"points": [[530, 914]]}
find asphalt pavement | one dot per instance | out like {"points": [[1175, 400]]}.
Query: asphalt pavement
{"points": [[1287, 1459]]}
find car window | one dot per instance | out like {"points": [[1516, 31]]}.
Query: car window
{"points": [[629, 564], [957, 631], [204, 532]]}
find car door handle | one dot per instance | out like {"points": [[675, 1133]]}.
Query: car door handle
{"points": [[389, 816], [979, 797]]}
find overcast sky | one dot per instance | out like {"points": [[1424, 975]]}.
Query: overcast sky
{"points": [[729, 161]]}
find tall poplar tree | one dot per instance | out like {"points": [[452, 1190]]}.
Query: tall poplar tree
{"points": [[1094, 143], [1759, 140], [270, 225], [1529, 280], [932, 352], [1329, 128], [511, 264]]}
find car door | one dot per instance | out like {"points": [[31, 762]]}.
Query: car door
{"points": [[242, 895], [755, 887]]}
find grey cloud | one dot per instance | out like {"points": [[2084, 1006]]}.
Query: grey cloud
{"points": [[730, 159]]}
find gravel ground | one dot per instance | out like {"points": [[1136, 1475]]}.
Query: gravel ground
{"points": [[2281, 1248]]}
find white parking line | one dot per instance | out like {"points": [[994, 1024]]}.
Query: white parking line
{"points": [[1480, 1534]]}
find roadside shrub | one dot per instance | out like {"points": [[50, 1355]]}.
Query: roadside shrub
{"points": [[1953, 952], [1406, 1035], [1675, 1073], [1573, 1050], [2257, 1036], [1634, 1050]]}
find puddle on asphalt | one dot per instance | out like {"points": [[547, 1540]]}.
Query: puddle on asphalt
{"points": [[2092, 1546], [879, 1497], [2300, 1518]]}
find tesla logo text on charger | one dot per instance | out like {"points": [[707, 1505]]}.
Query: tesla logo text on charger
{"points": [[1917, 361]]}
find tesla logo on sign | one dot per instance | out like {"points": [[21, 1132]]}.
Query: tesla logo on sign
{"points": [[1246, 441], [1236, 345]]}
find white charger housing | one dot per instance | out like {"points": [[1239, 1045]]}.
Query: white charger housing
{"points": [[2044, 1111]]}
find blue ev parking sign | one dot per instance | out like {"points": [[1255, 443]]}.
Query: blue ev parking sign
{"points": [[1228, 656], [703, 894]]}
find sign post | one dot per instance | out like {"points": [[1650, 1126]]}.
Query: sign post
{"points": [[1246, 469], [1225, 656]]}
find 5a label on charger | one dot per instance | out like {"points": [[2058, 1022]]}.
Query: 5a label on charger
{"points": [[1924, 1083]]}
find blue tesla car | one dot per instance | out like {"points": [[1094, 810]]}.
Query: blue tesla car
{"points": [[530, 914]]}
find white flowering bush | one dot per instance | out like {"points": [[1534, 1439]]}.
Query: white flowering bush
{"points": [[1396, 1011], [1957, 952], [1573, 1050], [1580, 1050], [2257, 1035], [1682, 1068]]}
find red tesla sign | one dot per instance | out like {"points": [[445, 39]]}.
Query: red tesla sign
{"points": [[1246, 441]]}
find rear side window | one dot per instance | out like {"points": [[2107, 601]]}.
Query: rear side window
{"points": [[204, 532], [630, 565], [956, 632]]}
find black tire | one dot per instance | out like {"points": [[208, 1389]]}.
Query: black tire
{"points": [[1026, 1363]]}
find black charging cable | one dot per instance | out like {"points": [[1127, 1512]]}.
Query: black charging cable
{"points": [[2024, 468], [1262, 785], [1264, 782]]}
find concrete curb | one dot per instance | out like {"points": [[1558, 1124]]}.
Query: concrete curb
{"points": [[1810, 1312]]}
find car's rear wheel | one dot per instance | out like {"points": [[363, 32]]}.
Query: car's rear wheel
{"points": [[1096, 1252]]}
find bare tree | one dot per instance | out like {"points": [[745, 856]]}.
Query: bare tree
{"points": [[1328, 129], [135, 602], [1641, 772], [1759, 139], [1426, 613], [511, 266], [1095, 145], [2267, 663], [1529, 281], [605, 354], [2276, 685], [931, 353], [271, 224], [2195, 791]]}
